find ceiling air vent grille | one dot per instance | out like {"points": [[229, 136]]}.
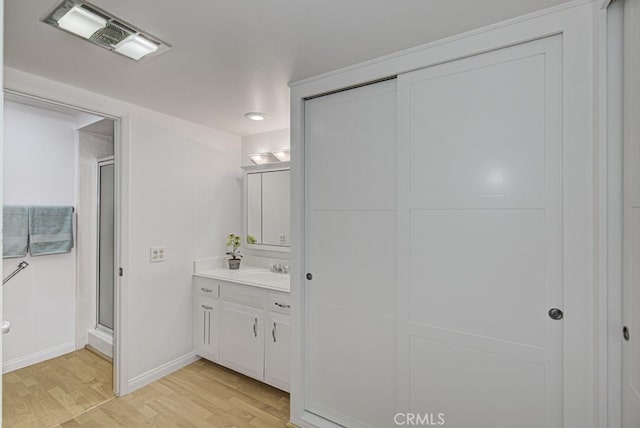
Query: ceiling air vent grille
{"points": [[110, 35]]}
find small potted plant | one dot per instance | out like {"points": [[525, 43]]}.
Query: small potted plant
{"points": [[233, 245]]}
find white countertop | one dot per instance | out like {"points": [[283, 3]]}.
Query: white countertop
{"points": [[250, 275]]}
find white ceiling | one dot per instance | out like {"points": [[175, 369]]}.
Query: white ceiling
{"points": [[234, 56]]}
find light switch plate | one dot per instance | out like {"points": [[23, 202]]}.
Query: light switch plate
{"points": [[157, 254]]}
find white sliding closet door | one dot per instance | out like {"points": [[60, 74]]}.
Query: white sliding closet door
{"points": [[631, 235], [350, 149], [480, 220]]}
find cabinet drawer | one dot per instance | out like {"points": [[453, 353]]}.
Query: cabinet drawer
{"points": [[279, 303], [244, 295], [206, 287]]}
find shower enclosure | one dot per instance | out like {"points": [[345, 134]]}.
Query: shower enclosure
{"points": [[106, 269]]}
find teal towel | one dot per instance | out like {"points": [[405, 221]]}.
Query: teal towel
{"points": [[50, 230], [15, 223]]}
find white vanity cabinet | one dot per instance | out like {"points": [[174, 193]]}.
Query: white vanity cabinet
{"points": [[207, 311], [277, 348], [245, 328], [242, 339], [207, 315]]}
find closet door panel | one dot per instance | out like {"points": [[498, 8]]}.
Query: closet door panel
{"points": [[350, 249], [465, 384], [351, 369], [480, 272], [353, 149], [480, 204], [358, 277], [482, 131]]}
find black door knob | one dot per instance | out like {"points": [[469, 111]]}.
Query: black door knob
{"points": [[309, 276], [625, 333], [555, 314]]}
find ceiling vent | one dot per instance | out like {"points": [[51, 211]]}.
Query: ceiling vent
{"points": [[99, 27], [110, 35]]}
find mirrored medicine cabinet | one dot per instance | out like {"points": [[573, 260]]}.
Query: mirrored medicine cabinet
{"points": [[267, 206]]}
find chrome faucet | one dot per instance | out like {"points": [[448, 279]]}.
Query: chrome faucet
{"points": [[279, 268]]}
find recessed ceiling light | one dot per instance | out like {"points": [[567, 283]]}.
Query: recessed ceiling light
{"points": [[254, 115], [81, 22], [101, 28], [136, 47]]}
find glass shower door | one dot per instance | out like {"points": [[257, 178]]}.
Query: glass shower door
{"points": [[105, 244]]}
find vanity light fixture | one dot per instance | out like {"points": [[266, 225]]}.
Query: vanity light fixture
{"points": [[283, 155], [262, 158], [99, 27], [255, 115]]}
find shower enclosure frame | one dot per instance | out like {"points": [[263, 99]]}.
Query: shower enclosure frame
{"points": [[109, 160], [120, 117]]}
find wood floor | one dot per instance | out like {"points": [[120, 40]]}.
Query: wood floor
{"points": [[51, 392], [202, 394]]}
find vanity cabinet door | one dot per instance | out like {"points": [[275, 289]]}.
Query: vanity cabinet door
{"points": [[207, 311], [242, 339], [277, 350]]}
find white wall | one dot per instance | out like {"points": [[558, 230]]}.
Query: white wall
{"points": [[183, 186], [265, 142], [1, 166], [39, 169], [186, 197], [91, 147]]}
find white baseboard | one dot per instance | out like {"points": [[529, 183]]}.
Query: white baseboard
{"points": [[309, 420], [101, 341], [38, 357], [160, 372]]}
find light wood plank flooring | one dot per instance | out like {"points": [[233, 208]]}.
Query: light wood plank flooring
{"points": [[51, 392], [200, 395]]}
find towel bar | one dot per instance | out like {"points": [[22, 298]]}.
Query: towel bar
{"points": [[22, 265]]}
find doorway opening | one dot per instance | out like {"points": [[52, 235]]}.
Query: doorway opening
{"points": [[61, 169]]}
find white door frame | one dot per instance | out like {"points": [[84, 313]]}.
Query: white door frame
{"points": [[629, 111], [575, 22], [121, 159], [610, 111], [1, 173]]}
